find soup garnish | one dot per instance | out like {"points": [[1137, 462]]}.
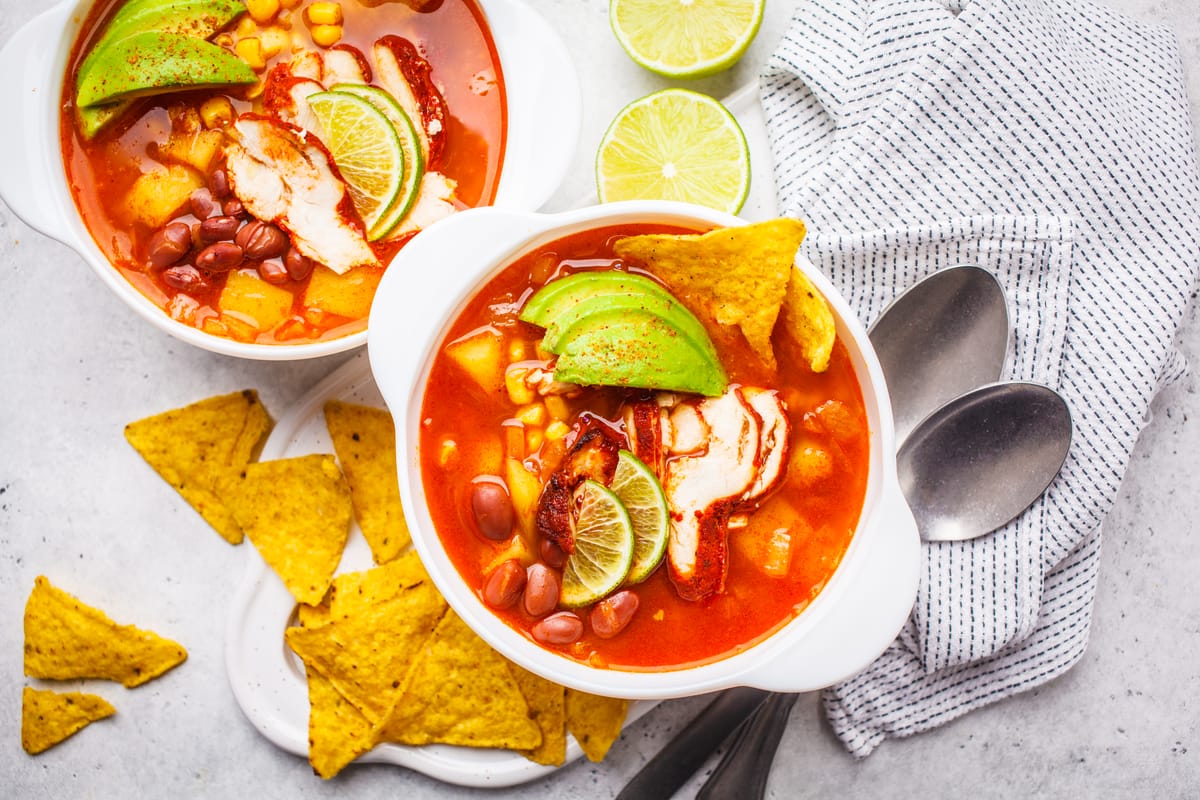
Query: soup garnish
{"points": [[623, 522], [259, 165]]}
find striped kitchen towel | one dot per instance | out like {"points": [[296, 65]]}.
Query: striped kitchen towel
{"points": [[1048, 141]]}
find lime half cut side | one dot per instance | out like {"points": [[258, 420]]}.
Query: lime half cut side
{"points": [[642, 495], [366, 149], [685, 38], [675, 144], [603, 547]]}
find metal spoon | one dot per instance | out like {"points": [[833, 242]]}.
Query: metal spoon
{"points": [[945, 335]]}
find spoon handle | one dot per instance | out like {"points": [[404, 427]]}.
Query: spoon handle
{"points": [[662, 775], [746, 765]]}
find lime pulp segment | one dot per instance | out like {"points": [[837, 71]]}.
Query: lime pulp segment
{"points": [[643, 497], [604, 546]]}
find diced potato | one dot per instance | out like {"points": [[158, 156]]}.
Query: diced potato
{"points": [[557, 407], [557, 430], [195, 149], [514, 439], [479, 355], [532, 414], [519, 391], [347, 295], [217, 112], [524, 488], [155, 196], [239, 330], [809, 466], [767, 539], [533, 439], [516, 548], [274, 40], [253, 301]]}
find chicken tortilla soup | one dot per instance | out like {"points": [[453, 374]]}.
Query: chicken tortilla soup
{"points": [[638, 459], [253, 167]]}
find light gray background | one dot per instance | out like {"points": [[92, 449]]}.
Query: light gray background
{"points": [[77, 504]]}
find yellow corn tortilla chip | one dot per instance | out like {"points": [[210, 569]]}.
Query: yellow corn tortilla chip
{"points": [[364, 439], [66, 639], [594, 721], [808, 319], [738, 275], [297, 513], [546, 707], [48, 718], [354, 592], [338, 732], [460, 691], [198, 449], [367, 656]]}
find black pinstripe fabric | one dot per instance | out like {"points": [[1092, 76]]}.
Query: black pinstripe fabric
{"points": [[1049, 142]]}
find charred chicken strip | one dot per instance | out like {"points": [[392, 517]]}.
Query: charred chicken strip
{"points": [[284, 176], [593, 455]]}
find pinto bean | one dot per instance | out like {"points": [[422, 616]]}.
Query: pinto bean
{"points": [[219, 229], [297, 264], [541, 590], [219, 257], [493, 509], [273, 272], [218, 183], [261, 240], [185, 278], [233, 207], [551, 553], [169, 244], [561, 628], [503, 587], [610, 616]]}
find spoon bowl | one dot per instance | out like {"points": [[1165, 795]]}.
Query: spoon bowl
{"points": [[977, 462]]}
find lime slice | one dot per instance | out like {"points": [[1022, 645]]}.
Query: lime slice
{"points": [[675, 144], [685, 38], [642, 495], [366, 148], [414, 159], [603, 547]]}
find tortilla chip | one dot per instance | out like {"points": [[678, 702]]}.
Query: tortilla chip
{"points": [[65, 639], [809, 320], [364, 439], [546, 707], [460, 691], [297, 512], [48, 718], [198, 449], [367, 656], [355, 592], [338, 732], [739, 275], [594, 721]]}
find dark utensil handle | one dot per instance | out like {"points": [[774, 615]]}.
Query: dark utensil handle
{"points": [[746, 765], [666, 772]]}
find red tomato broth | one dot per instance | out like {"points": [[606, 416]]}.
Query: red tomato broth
{"points": [[666, 632], [454, 38]]}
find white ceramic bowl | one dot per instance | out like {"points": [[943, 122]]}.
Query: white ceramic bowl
{"points": [[849, 624], [544, 114]]}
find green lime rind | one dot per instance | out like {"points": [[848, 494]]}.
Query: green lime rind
{"points": [[643, 497], [604, 546], [679, 40], [414, 159]]}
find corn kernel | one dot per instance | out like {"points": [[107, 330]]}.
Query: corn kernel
{"points": [[533, 439], [557, 430], [514, 440], [519, 391], [245, 27], [216, 112], [517, 350], [262, 10], [557, 406], [532, 414], [250, 50], [323, 13], [448, 453], [273, 41], [290, 4], [326, 35]]}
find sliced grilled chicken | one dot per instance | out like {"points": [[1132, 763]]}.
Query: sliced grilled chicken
{"points": [[773, 441], [344, 64], [286, 177]]}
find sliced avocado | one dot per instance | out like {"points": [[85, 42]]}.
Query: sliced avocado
{"points": [[558, 296], [623, 347], [671, 310], [199, 18], [152, 62]]}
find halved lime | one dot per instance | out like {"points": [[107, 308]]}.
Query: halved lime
{"points": [[675, 144], [414, 159], [603, 547], [366, 148], [685, 38], [642, 495]]}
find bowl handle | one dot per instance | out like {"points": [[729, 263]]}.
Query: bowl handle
{"points": [[857, 629], [29, 141]]}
